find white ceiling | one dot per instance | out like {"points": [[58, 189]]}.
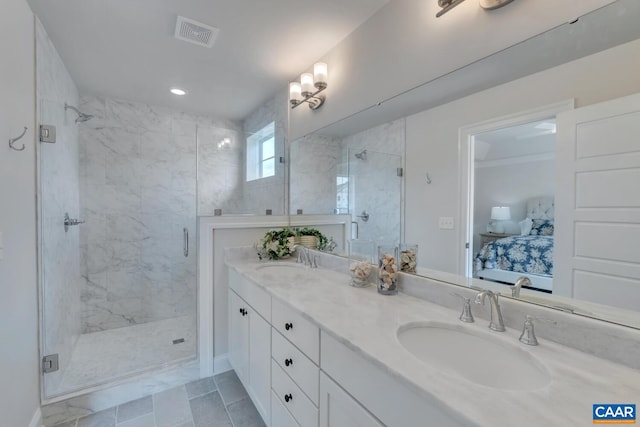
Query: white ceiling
{"points": [[126, 48], [522, 140]]}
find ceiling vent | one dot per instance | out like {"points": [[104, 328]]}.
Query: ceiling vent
{"points": [[195, 32]]}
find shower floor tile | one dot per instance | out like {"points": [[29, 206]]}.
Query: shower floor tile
{"points": [[102, 356]]}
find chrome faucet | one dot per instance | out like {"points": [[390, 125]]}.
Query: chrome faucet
{"points": [[522, 281], [496, 314], [304, 256]]}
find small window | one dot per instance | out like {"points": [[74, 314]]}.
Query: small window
{"points": [[261, 153]]}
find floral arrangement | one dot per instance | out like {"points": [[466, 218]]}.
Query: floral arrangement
{"points": [[324, 244], [275, 244], [278, 244]]}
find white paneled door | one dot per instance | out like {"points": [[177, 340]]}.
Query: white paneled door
{"points": [[598, 203]]}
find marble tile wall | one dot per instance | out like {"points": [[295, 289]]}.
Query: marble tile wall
{"points": [[270, 193], [138, 192], [220, 171], [315, 164], [58, 193]]}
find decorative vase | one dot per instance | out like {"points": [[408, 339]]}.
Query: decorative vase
{"points": [[408, 258], [309, 241], [388, 270], [360, 262]]}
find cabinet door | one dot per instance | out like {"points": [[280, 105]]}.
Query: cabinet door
{"points": [[338, 409], [260, 363], [280, 417], [239, 336]]}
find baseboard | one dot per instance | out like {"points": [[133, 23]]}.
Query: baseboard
{"points": [[221, 364], [36, 420]]}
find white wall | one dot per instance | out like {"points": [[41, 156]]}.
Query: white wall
{"points": [[19, 372], [432, 137], [401, 47]]}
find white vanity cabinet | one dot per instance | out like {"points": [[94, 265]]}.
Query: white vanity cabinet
{"points": [[338, 409], [295, 372], [250, 340]]}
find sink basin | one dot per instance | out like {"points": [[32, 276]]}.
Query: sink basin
{"points": [[281, 267], [478, 357]]}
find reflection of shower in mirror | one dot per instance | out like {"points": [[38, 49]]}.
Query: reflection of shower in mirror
{"points": [[361, 155]]}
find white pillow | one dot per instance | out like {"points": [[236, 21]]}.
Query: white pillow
{"points": [[525, 226]]}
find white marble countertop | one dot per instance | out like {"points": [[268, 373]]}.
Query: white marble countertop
{"points": [[368, 323]]}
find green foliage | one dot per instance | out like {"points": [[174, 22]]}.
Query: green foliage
{"points": [[275, 244]]}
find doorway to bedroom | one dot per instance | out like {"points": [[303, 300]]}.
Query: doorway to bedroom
{"points": [[509, 196]]}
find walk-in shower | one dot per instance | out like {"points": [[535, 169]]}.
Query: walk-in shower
{"points": [[82, 117], [118, 285]]}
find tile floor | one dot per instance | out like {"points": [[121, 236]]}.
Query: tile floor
{"points": [[219, 401]]}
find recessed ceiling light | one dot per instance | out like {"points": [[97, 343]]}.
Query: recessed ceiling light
{"points": [[178, 91]]}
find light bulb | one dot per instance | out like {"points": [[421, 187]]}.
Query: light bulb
{"points": [[320, 75], [306, 82]]}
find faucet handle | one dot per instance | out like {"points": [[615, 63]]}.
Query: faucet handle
{"points": [[466, 315], [528, 335]]}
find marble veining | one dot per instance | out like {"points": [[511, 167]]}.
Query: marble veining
{"points": [[138, 192], [367, 323]]}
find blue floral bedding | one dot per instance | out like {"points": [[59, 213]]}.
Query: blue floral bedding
{"points": [[522, 254]]}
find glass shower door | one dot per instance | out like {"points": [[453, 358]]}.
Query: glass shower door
{"points": [[119, 288], [375, 194]]}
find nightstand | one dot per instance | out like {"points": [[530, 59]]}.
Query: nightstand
{"points": [[490, 237]]}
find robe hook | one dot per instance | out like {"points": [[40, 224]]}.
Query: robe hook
{"points": [[13, 140]]}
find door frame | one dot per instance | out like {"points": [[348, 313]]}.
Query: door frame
{"points": [[466, 166]]}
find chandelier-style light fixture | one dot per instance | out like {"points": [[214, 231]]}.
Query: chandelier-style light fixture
{"points": [[309, 88]]}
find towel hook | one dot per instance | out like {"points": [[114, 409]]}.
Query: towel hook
{"points": [[428, 178], [13, 140]]}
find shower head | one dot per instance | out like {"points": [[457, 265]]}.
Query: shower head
{"points": [[82, 117], [361, 155]]}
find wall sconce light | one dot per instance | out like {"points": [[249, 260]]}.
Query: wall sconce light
{"points": [[447, 5], [309, 88]]}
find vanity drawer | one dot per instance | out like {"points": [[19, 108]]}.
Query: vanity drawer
{"points": [[300, 368], [290, 395], [300, 331], [280, 417], [254, 295]]}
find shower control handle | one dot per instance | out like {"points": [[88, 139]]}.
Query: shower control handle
{"points": [[68, 222], [288, 397], [243, 311], [364, 216], [288, 362], [288, 326]]}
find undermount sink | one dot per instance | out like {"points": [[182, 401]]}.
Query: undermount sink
{"points": [[281, 267], [478, 357]]}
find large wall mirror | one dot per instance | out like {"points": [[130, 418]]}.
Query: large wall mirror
{"points": [[471, 158]]}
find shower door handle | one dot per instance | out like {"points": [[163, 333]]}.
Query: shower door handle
{"points": [[185, 238]]}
